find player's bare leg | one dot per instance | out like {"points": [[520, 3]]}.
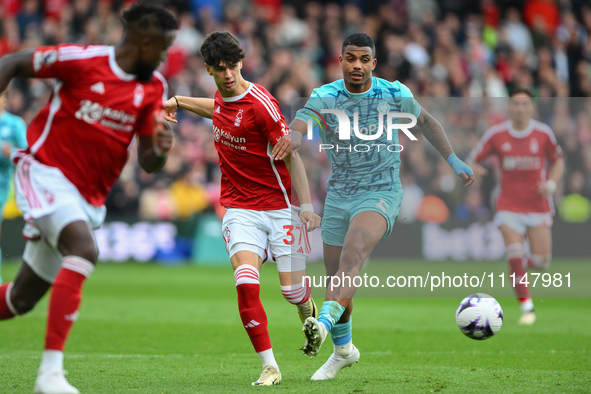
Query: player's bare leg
{"points": [[540, 242], [365, 231], [76, 243], [22, 294], [515, 254], [247, 266], [345, 354]]}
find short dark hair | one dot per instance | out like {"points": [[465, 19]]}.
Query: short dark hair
{"points": [[147, 15], [221, 47], [360, 40], [521, 90]]}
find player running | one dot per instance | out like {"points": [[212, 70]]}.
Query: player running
{"points": [[260, 217], [12, 136], [523, 147], [78, 144], [364, 190]]}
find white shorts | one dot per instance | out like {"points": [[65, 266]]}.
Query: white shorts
{"points": [[520, 222], [276, 234], [49, 202]]}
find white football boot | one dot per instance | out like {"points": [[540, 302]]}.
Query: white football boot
{"points": [[53, 381], [335, 363]]}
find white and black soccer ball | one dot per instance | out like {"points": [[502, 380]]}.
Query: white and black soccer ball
{"points": [[479, 316]]}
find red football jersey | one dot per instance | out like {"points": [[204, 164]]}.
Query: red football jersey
{"points": [[246, 128], [94, 113], [523, 156]]}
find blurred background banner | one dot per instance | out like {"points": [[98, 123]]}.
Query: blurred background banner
{"points": [[444, 51]]}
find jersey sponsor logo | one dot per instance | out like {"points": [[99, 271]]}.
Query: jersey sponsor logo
{"points": [[221, 136], [138, 95], [92, 113], [511, 163], [98, 87], [506, 147], [238, 117], [533, 146]]}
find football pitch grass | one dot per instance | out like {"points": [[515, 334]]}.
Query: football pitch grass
{"points": [[155, 329]]}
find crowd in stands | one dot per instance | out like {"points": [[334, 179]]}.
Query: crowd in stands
{"points": [[475, 49]]}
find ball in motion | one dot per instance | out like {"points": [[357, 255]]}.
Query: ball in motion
{"points": [[479, 316]]}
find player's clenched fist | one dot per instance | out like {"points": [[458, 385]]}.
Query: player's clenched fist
{"points": [[163, 136], [311, 220]]}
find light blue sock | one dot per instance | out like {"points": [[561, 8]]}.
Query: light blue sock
{"points": [[342, 333], [330, 313]]}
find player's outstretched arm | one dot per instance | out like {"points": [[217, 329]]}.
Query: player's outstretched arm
{"points": [[17, 64], [200, 106], [291, 142], [299, 180], [433, 131], [153, 149]]}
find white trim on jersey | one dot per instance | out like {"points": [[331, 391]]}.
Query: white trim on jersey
{"points": [[523, 133], [270, 154], [488, 134], [236, 98], [56, 104], [76, 53], [118, 71], [165, 84], [265, 99], [544, 128]]}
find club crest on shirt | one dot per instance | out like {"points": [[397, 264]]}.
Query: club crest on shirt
{"points": [[506, 147], [238, 117], [138, 95], [533, 146]]}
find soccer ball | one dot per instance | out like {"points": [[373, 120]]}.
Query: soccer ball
{"points": [[479, 316]]}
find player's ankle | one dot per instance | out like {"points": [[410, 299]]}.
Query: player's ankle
{"points": [[52, 359], [344, 350]]}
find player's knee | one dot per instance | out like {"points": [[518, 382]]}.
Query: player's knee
{"points": [[354, 255], [21, 302], [87, 250], [514, 251], [541, 262]]}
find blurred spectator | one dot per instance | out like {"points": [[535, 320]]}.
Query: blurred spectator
{"points": [[439, 49]]}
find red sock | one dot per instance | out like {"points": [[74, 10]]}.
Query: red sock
{"points": [[66, 295], [251, 309], [6, 309], [516, 267]]}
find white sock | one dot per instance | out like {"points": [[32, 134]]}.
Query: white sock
{"points": [[267, 358], [52, 359], [527, 306], [344, 350]]}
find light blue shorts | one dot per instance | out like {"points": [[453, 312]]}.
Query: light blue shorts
{"points": [[339, 211]]}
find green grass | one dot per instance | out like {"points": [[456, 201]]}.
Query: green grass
{"points": [[154, 329]]}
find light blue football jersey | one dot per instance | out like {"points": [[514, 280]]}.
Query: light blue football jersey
{"points": [[360, 166], [13, 131]]}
